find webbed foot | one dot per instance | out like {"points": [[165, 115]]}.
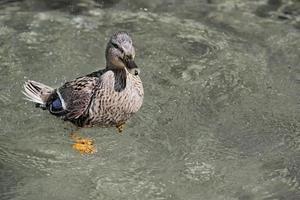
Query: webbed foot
{"points": [[83, 145]]}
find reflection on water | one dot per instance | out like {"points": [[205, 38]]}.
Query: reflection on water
{"points": [[220, 118]]}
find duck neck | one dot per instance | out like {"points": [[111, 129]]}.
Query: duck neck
{"points": [[120, 79]]}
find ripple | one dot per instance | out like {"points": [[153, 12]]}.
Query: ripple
{"points": [[5, 98], [219, 104], [200, 172]]}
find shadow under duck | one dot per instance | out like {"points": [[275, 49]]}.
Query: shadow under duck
{"points": [[108, 97]]}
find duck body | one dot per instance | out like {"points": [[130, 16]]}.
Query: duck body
{"points": [[110, 107], [108, 97], [93, 100]]}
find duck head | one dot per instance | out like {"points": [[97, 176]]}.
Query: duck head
{"points": [[120, 53]]}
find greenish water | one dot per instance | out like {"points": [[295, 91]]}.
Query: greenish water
{"points": [[220, 118]]}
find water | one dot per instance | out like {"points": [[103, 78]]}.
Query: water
{"points": [[220, 118]]}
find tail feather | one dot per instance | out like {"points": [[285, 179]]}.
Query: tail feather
{"points": [[37, 92]]}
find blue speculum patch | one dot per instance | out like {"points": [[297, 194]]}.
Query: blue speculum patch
{"points": [[56, 104]]}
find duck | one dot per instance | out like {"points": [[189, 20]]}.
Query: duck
{"points": [[105, 98]]}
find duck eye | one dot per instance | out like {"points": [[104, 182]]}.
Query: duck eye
{"points": [[117, 47]]}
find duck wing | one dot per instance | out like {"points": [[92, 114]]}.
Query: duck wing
{"points": [[76, 95]]}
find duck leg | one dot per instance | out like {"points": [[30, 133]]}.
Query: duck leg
{"points": [[83, 145], [120, 127]]}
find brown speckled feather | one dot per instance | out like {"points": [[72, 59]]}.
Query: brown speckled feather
{"points": [[77, 95], [110, 107]]}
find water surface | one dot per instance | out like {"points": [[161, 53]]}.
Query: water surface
{"points": [[220, 118]]}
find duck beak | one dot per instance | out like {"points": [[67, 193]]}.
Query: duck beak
{"points": [[132, 67], [130, 64]]}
